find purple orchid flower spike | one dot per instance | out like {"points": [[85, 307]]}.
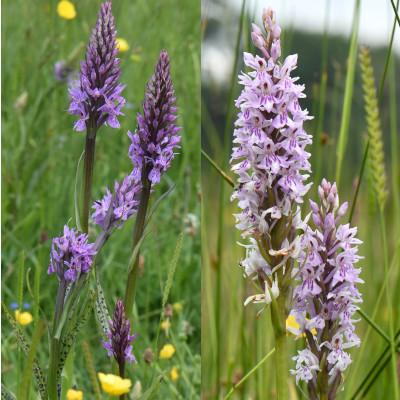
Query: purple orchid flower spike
{"points": [[71, 255], [119, 345], [325, 300], [96, 96], [124, 203], [156, 138]]}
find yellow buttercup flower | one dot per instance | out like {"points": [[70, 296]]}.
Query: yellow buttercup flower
{"points": [[174, 374], [24, 318], [113, 384], [291, 323], [66, 9], [165, 325], [74, 394], [122, 45], [167, 351], [177, 307]]}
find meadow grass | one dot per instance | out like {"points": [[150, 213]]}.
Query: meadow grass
{"points": [[247, 342], [40, 152]]}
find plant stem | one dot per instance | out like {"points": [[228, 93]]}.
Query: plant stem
{"points": [[55, 343], [88, 164], [122, 375], [279, 324], [131, 284]]}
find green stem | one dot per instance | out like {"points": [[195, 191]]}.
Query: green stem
{"points": [[389, 303], [55, 343], [131, 284], [88, 165], [244, 379], [279, 323], [217, 168], [122, 375]]}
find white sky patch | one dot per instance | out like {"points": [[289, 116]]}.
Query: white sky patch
{"points": [[375, 25]]}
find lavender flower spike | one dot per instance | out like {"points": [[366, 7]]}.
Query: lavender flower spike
{"points": [[120, 338], [96, 96], [124, 202], [325, 299], [270, 158], [156, 136], [71, 255]]}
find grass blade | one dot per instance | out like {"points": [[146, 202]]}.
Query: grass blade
{"points": [[92, 372], [217, 168], [348, 95], [21, 274], [254, 369]]}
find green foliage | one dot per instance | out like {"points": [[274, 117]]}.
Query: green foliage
{"points": [[26, 347]]}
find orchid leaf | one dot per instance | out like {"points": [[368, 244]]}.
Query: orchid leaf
{"points": [[6, 394], [102, 314], [71, 336]]}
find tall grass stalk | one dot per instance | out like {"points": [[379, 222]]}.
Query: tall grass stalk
{"points": [[321, 99], [389, 305], [394, 143], [227, 139], [348, 95], [244, 379]]}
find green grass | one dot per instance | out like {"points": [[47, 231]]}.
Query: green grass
{"points": [[40, 152]]}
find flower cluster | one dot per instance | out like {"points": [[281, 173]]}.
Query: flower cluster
{"points": [[156, 137], [124, 202], [96, 96], [325, 299], [71, 255], [270, 159], [269, 134], [119, 335]]}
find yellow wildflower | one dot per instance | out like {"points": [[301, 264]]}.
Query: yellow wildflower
{"points": [[24, 318], [291, 323], [113, 384], [74, 394], [167, 351], [122, 45], [174, 374], [165, 325], [66, 9], [177, 307]]}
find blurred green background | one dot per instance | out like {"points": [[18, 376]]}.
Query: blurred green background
{"points": [[234, 341], [40, 152]]}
